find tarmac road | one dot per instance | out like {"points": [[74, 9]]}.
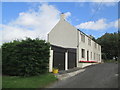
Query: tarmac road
{"points": [[98, 76]]}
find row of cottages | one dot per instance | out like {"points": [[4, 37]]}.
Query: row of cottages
{"points": [[69, 46]]}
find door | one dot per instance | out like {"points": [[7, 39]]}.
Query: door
{"points": [[58, 57], [59, 60], [87, 55], [71, 58]]}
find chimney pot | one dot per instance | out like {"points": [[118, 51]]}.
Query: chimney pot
{"points": [[62, 16]]}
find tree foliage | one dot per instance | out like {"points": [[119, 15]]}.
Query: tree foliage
{"points": [[109, 43], [25, 58]]}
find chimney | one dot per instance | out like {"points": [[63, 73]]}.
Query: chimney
{"points": [[62, 16], [91, 36]]}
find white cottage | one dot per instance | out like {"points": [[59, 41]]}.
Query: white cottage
{"points": [[69, 46]]}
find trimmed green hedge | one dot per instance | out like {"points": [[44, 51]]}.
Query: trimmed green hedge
{"points": [[25, 58]]}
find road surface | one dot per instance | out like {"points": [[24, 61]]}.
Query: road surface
{"points": [[98, 76]]}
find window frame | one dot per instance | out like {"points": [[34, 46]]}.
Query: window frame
{"points": [[91, 55], [83, 53], [89, 41], [82, 37]]}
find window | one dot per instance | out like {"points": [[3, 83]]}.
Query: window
{"points": [[94, 56], [95, 45], [91, 55], [83, 53], [82, 38], [99, 47], [89, 41], [99, 57]]}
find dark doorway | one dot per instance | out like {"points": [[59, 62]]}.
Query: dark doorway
{"points": [[87, 55], [58, 57], [59, 60], [71, 58]]}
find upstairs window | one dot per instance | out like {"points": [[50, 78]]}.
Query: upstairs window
{"points": [[82, 38], [95, 45], [98, 47], [89, 41]]}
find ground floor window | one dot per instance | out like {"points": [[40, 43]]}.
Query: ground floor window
{"points": [[91, 55], [94, 56], [83, 53], [99, 57]]}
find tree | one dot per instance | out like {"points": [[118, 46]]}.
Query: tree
{"points": [[109, 43]]}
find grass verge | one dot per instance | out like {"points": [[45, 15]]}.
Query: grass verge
{"points": [[111, 61], [28, 82]]}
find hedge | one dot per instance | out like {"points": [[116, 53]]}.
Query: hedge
{"points": [[25, 58]]}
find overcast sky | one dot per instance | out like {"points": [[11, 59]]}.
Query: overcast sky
{"points": [[29, 19]]}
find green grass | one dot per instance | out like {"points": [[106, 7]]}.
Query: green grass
{"points": [[28, 82], [110, 61]]}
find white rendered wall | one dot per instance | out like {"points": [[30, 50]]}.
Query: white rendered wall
{"points": [[51, 61], [64, 35], [67, 36], [66, 60], [89, 48]]}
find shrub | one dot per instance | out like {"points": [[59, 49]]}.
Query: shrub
{"points": [[26, 57]]}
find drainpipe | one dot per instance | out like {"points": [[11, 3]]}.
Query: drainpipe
{"points": [[77, 46]]}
